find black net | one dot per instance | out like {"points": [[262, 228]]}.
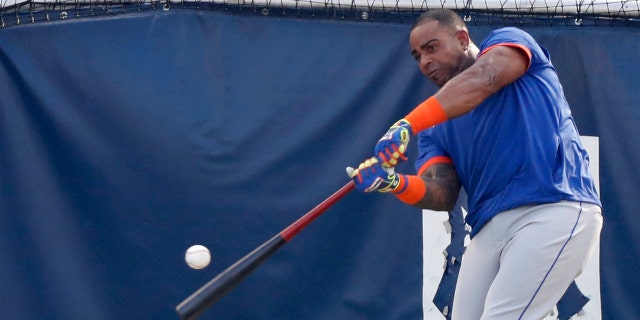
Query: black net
{"points": [[475, 12]]}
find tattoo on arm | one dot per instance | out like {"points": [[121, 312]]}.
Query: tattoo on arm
{"points": [[443, 186]]}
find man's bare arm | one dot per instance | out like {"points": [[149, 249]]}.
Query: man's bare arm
{"points": [[495, 69], [443, 186]]}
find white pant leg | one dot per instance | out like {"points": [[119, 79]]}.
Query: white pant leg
{"points": [[542, 249], [480, 264]]}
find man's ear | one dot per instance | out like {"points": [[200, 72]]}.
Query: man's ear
{"points": [[463, 38]]}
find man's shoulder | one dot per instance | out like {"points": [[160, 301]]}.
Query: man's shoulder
{"points": [[508, 35]]}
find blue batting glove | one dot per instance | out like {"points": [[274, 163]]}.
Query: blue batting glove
{"points": [[392, 147], [371, 176]]}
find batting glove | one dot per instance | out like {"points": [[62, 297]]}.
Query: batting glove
{"points": [[392, 147], [371, 176]]}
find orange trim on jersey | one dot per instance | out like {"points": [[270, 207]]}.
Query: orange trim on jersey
{"points": [[432, 161], [411, 189], [522, 48]]}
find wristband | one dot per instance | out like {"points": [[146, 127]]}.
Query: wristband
{"points": [[410, 189], [426, 115]]}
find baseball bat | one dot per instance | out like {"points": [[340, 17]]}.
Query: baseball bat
{"points": [[198, 302]]}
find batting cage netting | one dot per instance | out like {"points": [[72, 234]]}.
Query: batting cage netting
{"points": [[492, 12]]}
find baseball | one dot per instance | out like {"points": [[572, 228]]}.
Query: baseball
{"points": [[197, 256]]}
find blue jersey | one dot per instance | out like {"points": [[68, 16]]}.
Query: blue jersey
{"points": [[520, 146]]}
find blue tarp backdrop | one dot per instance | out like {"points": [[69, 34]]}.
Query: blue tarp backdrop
{"points": [[124, 140]]}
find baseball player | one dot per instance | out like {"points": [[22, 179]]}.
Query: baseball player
{"points": [[501, 128]]}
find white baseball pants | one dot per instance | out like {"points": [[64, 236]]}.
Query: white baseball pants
{"points": [[523, 260]]}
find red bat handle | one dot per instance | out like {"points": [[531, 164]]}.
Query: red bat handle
{"points": [[294, 228]]}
